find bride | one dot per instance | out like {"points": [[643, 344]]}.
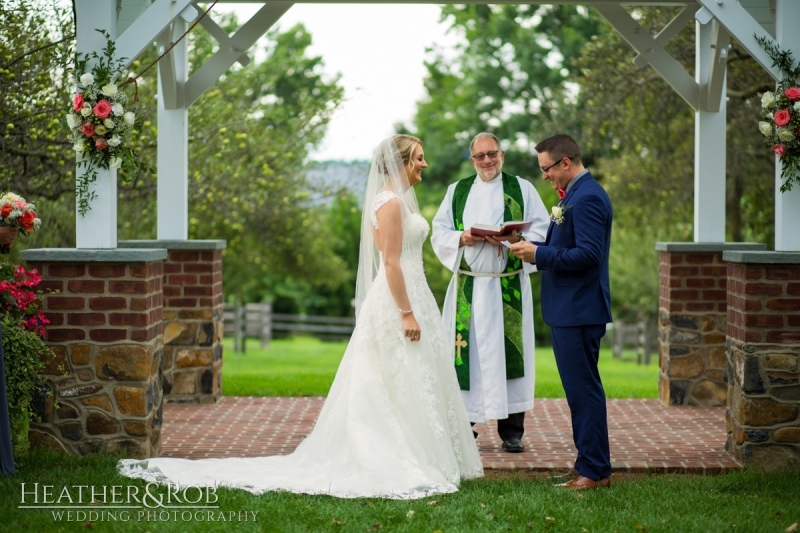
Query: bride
{"points": [[393, 425]]}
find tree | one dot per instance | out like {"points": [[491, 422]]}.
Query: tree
{"points": [[36, 161]]}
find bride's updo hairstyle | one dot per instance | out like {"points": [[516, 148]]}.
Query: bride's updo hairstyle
{"points": [[404, 145]]}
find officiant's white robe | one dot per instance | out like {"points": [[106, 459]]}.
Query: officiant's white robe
{"points": [[491, 396]]}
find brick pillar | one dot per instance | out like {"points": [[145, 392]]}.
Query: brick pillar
{"points": [[692, 312], [193, 318], [103, 390], [763, 416]]}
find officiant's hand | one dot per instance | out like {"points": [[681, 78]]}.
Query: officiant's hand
{"points": [[468, 239], [526, 251]]}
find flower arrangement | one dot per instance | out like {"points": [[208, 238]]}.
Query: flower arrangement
{"points": [[25, 355], [557, 213], [100, 124], [17, 213], [780, 115]]}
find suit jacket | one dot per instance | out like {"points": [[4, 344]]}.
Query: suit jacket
{"points": [[573, 259]]}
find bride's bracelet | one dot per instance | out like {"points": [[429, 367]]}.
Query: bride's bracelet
{"points": [[404, 312]]}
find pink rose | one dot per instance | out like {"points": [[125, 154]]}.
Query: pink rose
{"points": [[77, 102], [779, 149], [792, 93], [102, 109], [782, 117], [101, 144], [88, 129]]}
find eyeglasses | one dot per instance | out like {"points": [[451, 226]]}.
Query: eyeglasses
{"points": [[490, 155], [547, 169]]}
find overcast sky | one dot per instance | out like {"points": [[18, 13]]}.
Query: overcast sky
{"points": [[355, 40]]}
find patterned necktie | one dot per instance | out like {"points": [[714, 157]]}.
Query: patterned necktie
{"points": [[561, 194]]}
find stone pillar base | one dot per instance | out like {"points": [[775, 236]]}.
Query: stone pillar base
{"points": [[692, 319], [106, 331], [193, 318], [763, 416]]}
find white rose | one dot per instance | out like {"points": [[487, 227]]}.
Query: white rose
{"points": [[72, 120], [86, 110], [797, 105], [100, 130], [108, 123], [109, 90], [87, 79], [785, 134], [78, 146], [557, 211], [11, 197], [117, 109], [767, 99], [129, 118], [114, 141], [765, 128], [115, 162]]}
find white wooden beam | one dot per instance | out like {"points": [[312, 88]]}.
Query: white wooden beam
{"points": [[242, 40], [145, 29], [655, 54], [222, 37], [787, 213], [712, 81], [669, 31], [709, 145], [98, 227], [173, 139], [742, 27]]}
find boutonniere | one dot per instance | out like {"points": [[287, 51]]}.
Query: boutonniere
{"points": [[557, 213]]}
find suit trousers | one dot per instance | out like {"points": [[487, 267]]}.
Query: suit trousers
{"points": [[577, 350], [513, 426]]}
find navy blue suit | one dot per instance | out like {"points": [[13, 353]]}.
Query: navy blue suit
{"points": [[576, 304]]}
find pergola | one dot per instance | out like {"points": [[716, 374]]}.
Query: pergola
{"points": [[140, 322], [136, 24]]}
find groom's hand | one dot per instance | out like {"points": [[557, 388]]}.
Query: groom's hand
{"points": [[468, 239], [524, 250]]}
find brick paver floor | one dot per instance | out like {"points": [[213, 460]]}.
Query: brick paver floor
{"points": [[645, 435]]}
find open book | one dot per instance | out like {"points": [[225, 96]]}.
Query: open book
{"points": [[506, 228]]}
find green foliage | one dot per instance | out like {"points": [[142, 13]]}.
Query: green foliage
{"points": [[304, 366], [24, 356], [508, 77], [503, 501], [36, 160]]}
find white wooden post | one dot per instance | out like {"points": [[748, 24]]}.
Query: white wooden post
{"points": [[98, 228], [709, 143], [173, 138], [787, 205]]}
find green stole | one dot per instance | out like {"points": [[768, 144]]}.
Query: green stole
{"points": [[511, 288]]}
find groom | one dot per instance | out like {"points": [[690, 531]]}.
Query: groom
{"points": [[576, 300]]}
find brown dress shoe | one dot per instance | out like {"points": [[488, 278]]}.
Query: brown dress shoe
{"points": [[584, 483], [562, 478]]}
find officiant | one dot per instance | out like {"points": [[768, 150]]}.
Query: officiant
{"points": [[488, 310]]}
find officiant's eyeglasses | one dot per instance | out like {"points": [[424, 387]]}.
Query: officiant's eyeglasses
{"points": [[545, 170], [490, 155]]}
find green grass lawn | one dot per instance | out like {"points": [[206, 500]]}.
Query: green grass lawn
{"points": [[745, 501], [304, 366]]}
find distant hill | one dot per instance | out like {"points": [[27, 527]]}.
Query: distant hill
{"points": [[333, 175]]}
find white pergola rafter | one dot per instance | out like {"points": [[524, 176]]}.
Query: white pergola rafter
{"points": [[163, 21]]}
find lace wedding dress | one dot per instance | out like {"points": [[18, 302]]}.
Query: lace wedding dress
{"points": [[393, 425]]}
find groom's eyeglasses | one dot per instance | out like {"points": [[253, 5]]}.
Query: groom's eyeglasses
{"points": [[545, 170], [490, 155]]}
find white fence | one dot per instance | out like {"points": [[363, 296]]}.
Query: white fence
{"points": [[258, 321]]}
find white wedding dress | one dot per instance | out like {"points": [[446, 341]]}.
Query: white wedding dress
{"points": [[393, 425]]}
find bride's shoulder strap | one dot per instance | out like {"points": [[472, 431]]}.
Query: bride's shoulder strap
{"points": [[380, 200]]}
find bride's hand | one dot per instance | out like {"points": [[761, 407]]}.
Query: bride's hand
{"points": [[411, 327]]}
